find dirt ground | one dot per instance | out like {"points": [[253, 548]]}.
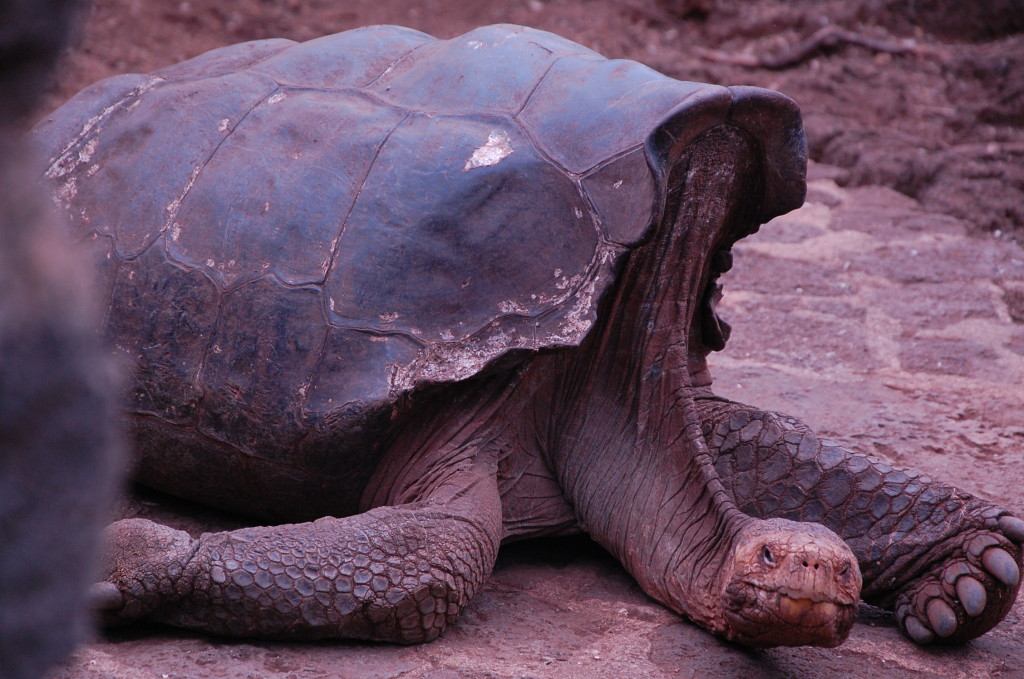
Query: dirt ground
{"points": [[888, 312]]}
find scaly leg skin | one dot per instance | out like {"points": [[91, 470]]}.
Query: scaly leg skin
{"points": [[945, 562], [398, 574]]}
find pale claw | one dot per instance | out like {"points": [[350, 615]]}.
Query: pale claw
{"points": [[1012, 527], [918, 632], [1001, 565], [972, 595], [941, 617], [105, 596]]}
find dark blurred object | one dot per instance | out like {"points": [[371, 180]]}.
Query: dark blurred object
{"points": [[58, 448], [32, 34]]}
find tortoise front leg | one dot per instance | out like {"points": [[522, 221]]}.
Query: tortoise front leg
{"points": [[398, 574], [947, 563]]}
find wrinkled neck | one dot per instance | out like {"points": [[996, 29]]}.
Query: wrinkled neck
{"points": [[630, 452]]}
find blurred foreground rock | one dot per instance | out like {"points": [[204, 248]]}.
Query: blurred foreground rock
{"points": [[57, 446]]}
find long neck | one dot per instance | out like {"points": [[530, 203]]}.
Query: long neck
{"points": [[630, 453]]}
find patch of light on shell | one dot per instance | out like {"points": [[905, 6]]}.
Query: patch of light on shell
{"points": [[497, 148]]}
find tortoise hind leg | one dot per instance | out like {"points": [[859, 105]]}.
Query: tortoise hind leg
{"points": [[398, 573], [947, 563]]}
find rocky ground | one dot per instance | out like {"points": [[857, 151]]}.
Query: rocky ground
{"points": [[888, 312]]}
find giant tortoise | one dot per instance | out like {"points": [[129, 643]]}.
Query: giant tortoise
{"points": [[422, 297]]}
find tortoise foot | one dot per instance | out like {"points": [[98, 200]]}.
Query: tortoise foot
{"points": [[970, 592], [144, 563]]}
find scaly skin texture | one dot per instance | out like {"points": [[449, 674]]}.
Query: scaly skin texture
{"points": [[797, 580], [398, 574], [947, 563]]}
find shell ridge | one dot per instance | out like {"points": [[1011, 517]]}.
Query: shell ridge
{"points": [[58, 166], [269, 55], [611, 159], [343, 224], [595, 220], [540, 80], [659, 154], [459, 360], [321, 352], [184, 266], [595, 214], [397, 61], [542, 152], [175, 204], [377, 332], [200, 385], [108, 303], [305, 387], [146, 245], [168, 72]]}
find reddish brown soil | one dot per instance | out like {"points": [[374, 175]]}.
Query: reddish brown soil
{"points": [[888, 312]]}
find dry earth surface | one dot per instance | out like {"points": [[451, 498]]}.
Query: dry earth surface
{"points": [[888, 312]]}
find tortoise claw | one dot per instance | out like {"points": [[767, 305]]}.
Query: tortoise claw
{"points": [[972, 595], [105, 596], [1001, 565], [1012, 527], [941, 617], [918, 632], [967, 595]]}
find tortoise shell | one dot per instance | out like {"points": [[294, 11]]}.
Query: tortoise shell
{"points": [[294, 237]]}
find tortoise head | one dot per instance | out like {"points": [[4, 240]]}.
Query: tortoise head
{"points": [[789, 584]]}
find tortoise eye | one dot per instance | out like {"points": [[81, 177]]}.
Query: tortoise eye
{"points": [[766, 555]]}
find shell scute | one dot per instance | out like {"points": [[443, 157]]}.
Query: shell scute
{"points": [[275, 195], [624, 194], [350, 59], [589, 109], [131, 173], [166, 341], [259, 364], [225, 60], [84, 112], [347, 378], [493, 69], [438, 250]]}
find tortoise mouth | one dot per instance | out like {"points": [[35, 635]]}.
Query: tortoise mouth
{"points": [[777, 619], [806, 612]]}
